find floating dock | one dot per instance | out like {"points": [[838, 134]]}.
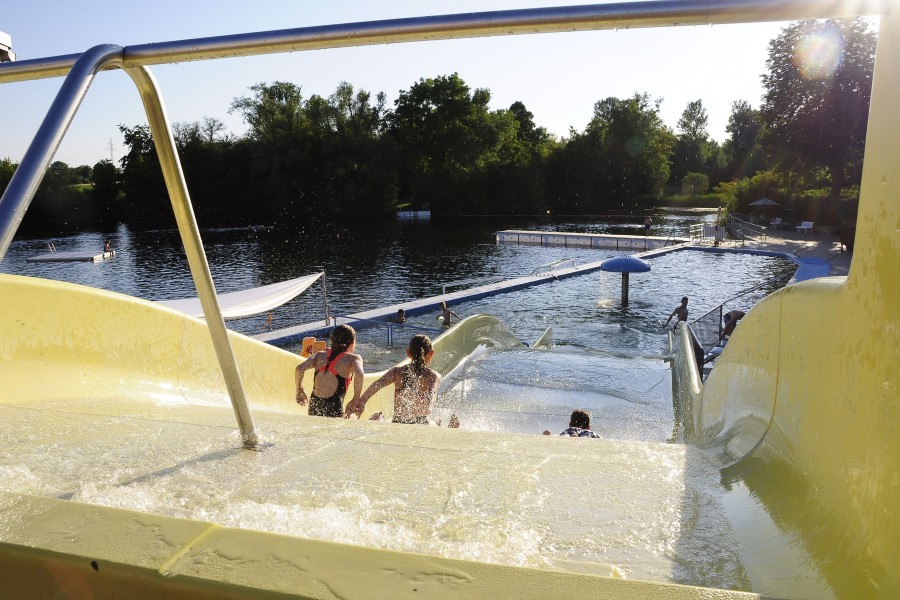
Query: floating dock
{"points": [[587, 240], [72, 256]]}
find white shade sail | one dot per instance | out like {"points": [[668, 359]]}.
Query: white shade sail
{"points": [[237, 305]]}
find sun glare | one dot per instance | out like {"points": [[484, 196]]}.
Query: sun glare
{"points": [[818, 55]]}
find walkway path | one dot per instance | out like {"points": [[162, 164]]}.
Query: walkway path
{"points": [[821, 246]]}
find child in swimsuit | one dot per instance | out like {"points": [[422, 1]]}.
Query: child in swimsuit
{"points": [[446, 315], [334, 370], [415, 386]]}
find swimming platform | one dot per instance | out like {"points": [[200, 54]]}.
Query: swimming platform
{"points": [[817, 255], [72, 256]]}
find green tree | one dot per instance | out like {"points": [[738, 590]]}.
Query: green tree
{"points": [[692, 150], [442, 130], [635, 146], [815, 107], [106, 192], [694, 184], [743, 154], [146, 199], [7, 169]]}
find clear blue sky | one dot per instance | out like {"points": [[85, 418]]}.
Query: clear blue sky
{"points": [[559, 77]]}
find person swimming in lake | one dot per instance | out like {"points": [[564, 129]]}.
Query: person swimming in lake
{"points": [[415, 386], [446, 315], [334, 368]]}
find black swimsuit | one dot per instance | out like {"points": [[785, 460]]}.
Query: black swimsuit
{"points": [[333, 405]]}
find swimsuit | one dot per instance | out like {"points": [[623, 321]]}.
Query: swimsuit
{"points": [[333, 405], [579, 432]]}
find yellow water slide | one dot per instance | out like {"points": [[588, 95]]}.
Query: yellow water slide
{"points": [[122, 473], [803, 405]]}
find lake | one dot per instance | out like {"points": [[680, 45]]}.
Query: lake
{"points": [[607, 358]]}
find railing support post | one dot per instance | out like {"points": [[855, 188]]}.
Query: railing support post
{"points": [[193, 247]]}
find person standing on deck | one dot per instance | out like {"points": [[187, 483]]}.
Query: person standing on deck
{"points": [[648, 222]]}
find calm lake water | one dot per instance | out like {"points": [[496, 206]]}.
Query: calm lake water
{"points": [[607, 357]]}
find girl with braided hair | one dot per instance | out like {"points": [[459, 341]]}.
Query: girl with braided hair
{"points": [[415, 385], [334, 368]]}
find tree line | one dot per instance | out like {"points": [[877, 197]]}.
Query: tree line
{"points": [[441, 147]]}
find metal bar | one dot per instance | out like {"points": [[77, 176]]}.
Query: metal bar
{"points": [[193, 247], [623, 15], [27, 178]]}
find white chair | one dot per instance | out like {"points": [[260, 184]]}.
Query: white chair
{"points": [[775, 223], [805, 227]]}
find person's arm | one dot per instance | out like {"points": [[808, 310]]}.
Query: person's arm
{"points": [[298, 377], [358, 403], [670, 317]]}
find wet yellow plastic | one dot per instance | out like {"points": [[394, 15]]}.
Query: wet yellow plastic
{"points": [[802, 408]]}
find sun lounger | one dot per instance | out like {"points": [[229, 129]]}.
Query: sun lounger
{"points": [[775, 223], [805, 227]]}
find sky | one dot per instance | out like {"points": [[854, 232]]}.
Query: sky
{"points": [[559, 77]]}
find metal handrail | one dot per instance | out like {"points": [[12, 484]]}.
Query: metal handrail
{"points": [[390, 325], [552, 265], [622, 15], [80, 69], [739, 228]]}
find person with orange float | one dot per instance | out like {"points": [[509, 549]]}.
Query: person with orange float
{"points": [[334, 368]]}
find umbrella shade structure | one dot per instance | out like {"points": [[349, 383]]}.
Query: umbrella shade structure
{"points": [[625, 265], [765, 205], [764, 202]]}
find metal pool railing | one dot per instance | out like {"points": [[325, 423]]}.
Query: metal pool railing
{"points": [[744, 230], [551, 265], [384, 333], [80, 69]]}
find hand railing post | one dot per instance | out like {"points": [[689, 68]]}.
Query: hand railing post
{"points": [[193, 247], [25, 181]]}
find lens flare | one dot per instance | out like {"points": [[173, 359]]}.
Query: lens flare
{"points": [[818, 54]]}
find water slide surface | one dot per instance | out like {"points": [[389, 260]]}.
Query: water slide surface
{"points": [[122, 467]]}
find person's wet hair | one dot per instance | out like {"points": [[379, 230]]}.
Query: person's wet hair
{"points": [[342, 337], [581, 419], [419, 347]]}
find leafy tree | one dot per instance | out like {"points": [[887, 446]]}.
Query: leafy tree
{"points": [[635, 146], [694, 184], [442, 130], [275, 113], [743, 154], [107, 189], [692, 149], [815, 107], [146, 199], [210, 128], [7, 169]]}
